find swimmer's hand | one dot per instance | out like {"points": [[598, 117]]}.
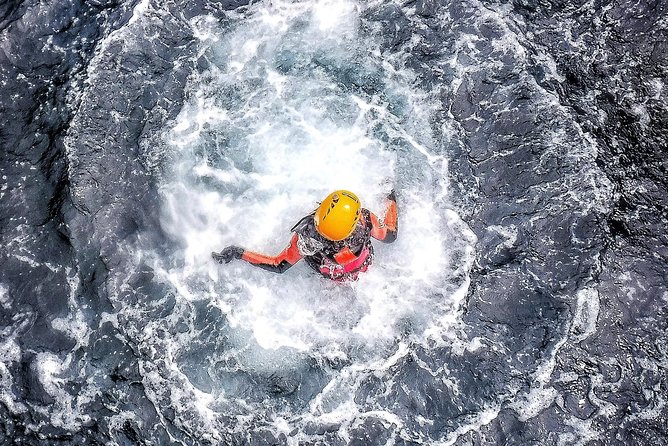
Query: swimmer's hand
{"points": [[228, 254]]}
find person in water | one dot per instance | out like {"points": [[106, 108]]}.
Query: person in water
{"points": [[334, 240]]}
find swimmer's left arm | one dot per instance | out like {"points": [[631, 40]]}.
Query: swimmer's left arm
{"points": [[276, 264], [386, 231]]}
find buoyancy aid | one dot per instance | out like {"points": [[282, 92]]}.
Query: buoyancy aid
{"points": [[337, 260]]}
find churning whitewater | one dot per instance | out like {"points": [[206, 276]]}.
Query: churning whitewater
{"points": [[523, 302], [298, 101]]}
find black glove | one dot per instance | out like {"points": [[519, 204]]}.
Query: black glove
{"points": [[228, 254]]}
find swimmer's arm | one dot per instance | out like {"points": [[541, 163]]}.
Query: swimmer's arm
{"points": [[277, 264], [386, 231]]}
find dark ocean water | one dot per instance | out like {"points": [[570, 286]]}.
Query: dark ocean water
{"points": [[524, 303]]}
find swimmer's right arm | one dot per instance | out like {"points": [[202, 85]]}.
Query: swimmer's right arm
{"points": [[277, 264]]}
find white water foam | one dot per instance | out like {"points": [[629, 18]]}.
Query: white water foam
{"points": [[298, 102], [542, 395], [5, 299], [247, 168], [9, 352], [585, 318]]}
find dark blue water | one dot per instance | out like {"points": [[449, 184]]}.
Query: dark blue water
{"points": [[523, 303]]}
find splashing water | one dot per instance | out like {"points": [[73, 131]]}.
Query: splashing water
{"points": [[296, 101]]}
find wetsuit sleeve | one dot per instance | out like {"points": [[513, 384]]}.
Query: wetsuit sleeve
{"points": [[386, 231], [277, 264]]}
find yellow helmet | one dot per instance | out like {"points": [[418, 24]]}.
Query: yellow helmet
{"points": [[337, 215]]}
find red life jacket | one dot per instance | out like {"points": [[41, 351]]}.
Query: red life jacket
{"points": [[350, 269], [337, 260]]}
